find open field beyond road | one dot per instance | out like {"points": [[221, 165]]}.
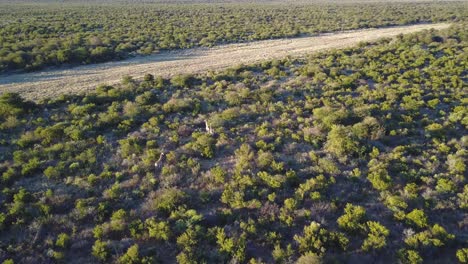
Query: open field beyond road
{"points": [[51, 83]]}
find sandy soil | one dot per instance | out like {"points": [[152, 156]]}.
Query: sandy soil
{"points": [[51, 83]]}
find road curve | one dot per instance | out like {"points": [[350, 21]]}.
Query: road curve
{"points": [[51, 83]]}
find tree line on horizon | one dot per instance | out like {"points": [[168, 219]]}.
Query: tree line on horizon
{"points": [[34, 36]]}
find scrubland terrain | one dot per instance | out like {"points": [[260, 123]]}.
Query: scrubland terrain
{"points": [[174, 145], [352, 155]]}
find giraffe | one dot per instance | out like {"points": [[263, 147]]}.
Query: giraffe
{"points": [[159, 162], [208, 128]]}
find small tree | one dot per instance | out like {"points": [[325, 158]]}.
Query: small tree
{"points": [[341, 141], [244, 156]]}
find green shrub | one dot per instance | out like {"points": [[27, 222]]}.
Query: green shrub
{"points": [[395, 203], [352, 219], [244, 157], [204, 144], [329, 117], [168, 199], [188, 240], [369, 128], [63, 240], [341, 142], [282, 255], [12, 104], [132, 256], [312, 184], [309, 258], [376, 237], [20, 200], [378, 175], [118, 220], [183, 80], [456, 164], [31, 167], [130, 146], [264, 159], [316, 239], [272, 181], [462, 255], [3, 218], [100, 250], [409, 257], [218, 174], [175, 105], [9, 175], [445, 186], [52, 172], [158, 230], [58, 256], [233, 246], [436, 236], [417, 217]]}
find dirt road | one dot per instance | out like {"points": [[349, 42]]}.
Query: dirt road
{"points": [[79, 79]]}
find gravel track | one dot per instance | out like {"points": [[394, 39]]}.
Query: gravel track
{"points": [[53, 82]]}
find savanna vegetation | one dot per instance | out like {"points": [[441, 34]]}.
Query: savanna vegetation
{"points": [[349, 156], [36, 35]]}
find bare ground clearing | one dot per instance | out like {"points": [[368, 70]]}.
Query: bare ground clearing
{"points": [[51, 83]]}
